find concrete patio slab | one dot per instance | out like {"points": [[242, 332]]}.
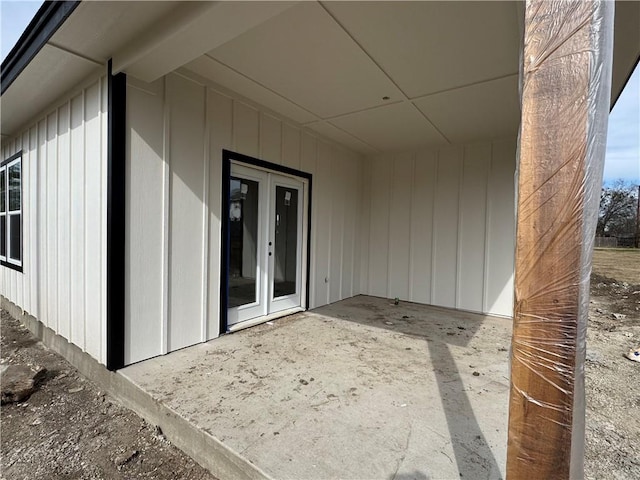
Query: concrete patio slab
{"points": [[360, 389]]}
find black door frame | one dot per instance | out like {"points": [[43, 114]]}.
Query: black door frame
{"points": [[227, 157]]}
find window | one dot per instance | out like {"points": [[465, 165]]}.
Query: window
{"points": [[11, 212]]}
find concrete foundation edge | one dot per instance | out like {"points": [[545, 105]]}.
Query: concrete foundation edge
{"points": [[205, 449]]}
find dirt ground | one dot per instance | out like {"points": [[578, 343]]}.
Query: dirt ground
{"points": [[613, 397], [68, 429]]}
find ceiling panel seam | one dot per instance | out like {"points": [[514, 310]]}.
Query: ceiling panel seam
{"points": [[189, 75], [384, 72], [351, 135], [264, 87], [473, 84], [431, 123], [365, 109], [76, 54]]}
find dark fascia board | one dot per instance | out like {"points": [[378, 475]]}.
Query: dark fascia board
{"points": [[45, 23]]}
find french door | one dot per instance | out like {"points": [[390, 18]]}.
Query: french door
{"points": [[267, 245]]}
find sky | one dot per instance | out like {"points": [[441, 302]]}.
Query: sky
{"points": [[622, 160]]}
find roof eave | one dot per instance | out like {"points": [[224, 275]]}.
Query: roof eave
{"points": [[44, 24]]}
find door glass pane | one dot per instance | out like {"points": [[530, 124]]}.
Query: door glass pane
{"points": [[14, 237], [14, 187], [285, 252], [243, 251]]}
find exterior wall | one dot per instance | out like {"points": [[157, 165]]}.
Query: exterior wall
{"points": [[177, 129], [64, 219], [441, 227]]}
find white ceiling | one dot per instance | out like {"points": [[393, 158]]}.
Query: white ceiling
{"points": [[330, 66], [449, 69]]}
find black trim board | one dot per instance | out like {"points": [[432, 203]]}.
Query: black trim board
{"points": [[116, 202], [227, 156], [17, 268], [11, 158], [44, 24]]}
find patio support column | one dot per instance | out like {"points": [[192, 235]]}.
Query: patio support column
{"points": [[566, 83]]}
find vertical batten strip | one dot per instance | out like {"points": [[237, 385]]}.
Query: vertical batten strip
{"points": [[314, 229], [84, 218], [412, 187], [234, 147], [84, 234], [64, 220], [58, 226], [166, 220], [487, 219], [434, 244], [390, 179], [25, 222], [457, 299], [343, 186], [331, 186], [33, 221], [52, 160], [205, 217], [104, 203], [356, 180], [42, 206]]}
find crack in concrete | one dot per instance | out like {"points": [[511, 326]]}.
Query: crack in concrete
{"points": [[404, 455]]}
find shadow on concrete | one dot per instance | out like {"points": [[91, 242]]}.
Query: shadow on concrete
{"points": [[469, 443], [472, 452], [410, 476]]}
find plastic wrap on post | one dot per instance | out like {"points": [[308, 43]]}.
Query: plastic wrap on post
{"points": [[565, 89]]}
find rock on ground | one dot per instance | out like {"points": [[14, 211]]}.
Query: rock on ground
{"points": [[19, 382], [68, 429]]}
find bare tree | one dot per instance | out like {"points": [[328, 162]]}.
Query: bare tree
{"points": [[618, 209]]}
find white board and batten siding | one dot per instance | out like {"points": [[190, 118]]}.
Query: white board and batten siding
{"points": [[432, 227], [441, 227], [64, 189], [177, 129]]}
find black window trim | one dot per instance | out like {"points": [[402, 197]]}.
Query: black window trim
{"points": [[7, 262]]}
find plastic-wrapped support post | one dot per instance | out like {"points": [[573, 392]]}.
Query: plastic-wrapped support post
{"points": [[565, 90]]}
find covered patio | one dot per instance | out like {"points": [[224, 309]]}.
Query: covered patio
{"points": [[407, 121], [362, 388]]}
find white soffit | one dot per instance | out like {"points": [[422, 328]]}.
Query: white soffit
{"points": [[303, 55], [427, 47], [481, 111], [222, 75], [194, 29], [391, 128], [52, 70], [337, 135], [97, 29]]}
